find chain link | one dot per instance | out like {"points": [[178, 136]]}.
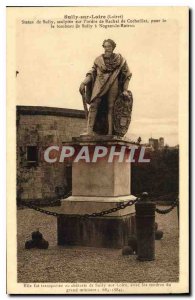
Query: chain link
{"points": [[111, 210], [95, 214], [41, 210], [102, 213], [168, 210]]}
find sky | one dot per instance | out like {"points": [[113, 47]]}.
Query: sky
{"points": [[53, 62]]}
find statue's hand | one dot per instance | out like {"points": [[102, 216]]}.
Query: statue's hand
{"points": [[82, 88], [125, 93]]}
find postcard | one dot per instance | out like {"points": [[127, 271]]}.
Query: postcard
{"points": [[97, 150]]}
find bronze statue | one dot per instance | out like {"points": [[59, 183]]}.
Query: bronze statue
{"points": [[106, 84]]}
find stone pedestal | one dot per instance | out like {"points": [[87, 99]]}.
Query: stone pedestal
{"points": [[98, 186]]}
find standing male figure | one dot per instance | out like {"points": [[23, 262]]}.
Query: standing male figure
{"points": [[109, 77]]}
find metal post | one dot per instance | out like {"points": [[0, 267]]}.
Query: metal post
{"points": [[145, 228]]}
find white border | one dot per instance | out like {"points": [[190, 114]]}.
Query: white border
{"points": [[3, 4]]}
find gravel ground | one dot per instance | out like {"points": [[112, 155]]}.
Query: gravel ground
{"points": [[84, 264]]}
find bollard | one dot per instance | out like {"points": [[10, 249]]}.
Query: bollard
{"points": [[145, 228]]}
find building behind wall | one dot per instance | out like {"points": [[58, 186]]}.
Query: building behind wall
{"points": [[161, 143], [37, 128], [154, 143]]}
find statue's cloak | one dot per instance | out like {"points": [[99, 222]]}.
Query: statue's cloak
{"points": [[102, 77]]}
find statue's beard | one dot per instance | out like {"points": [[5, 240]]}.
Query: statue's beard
{"points": [[108, 54]]}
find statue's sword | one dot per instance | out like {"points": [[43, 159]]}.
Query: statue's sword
{"points": [[85, 105]]}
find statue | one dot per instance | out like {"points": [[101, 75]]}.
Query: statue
{"points": [[105, 89]]}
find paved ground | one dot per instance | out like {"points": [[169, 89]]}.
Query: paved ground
{"points": [[82, 264]]}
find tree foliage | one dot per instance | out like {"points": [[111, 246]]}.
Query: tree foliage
{"points": [[160, 176]]}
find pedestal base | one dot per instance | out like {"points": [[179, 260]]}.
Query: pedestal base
{"points": [[111, 230], [105, 232]]}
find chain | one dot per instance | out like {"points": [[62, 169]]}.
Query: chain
{"points": [[41, 210], [166, 211], [101, 213], [96, 214], [111, 210]]}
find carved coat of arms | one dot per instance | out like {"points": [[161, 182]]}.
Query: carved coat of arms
{"points": [[122, 113]]}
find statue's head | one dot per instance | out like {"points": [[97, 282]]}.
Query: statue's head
{"points": [[109, 46]]}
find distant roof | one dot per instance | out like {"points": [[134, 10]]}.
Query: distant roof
{"points": [[50, 111]]}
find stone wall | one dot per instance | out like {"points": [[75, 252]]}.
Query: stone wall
{"points": [[38, 128]]}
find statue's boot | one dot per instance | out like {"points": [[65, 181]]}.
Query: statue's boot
{"points": [[91, 121], [92, 117], [110, 121]]}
